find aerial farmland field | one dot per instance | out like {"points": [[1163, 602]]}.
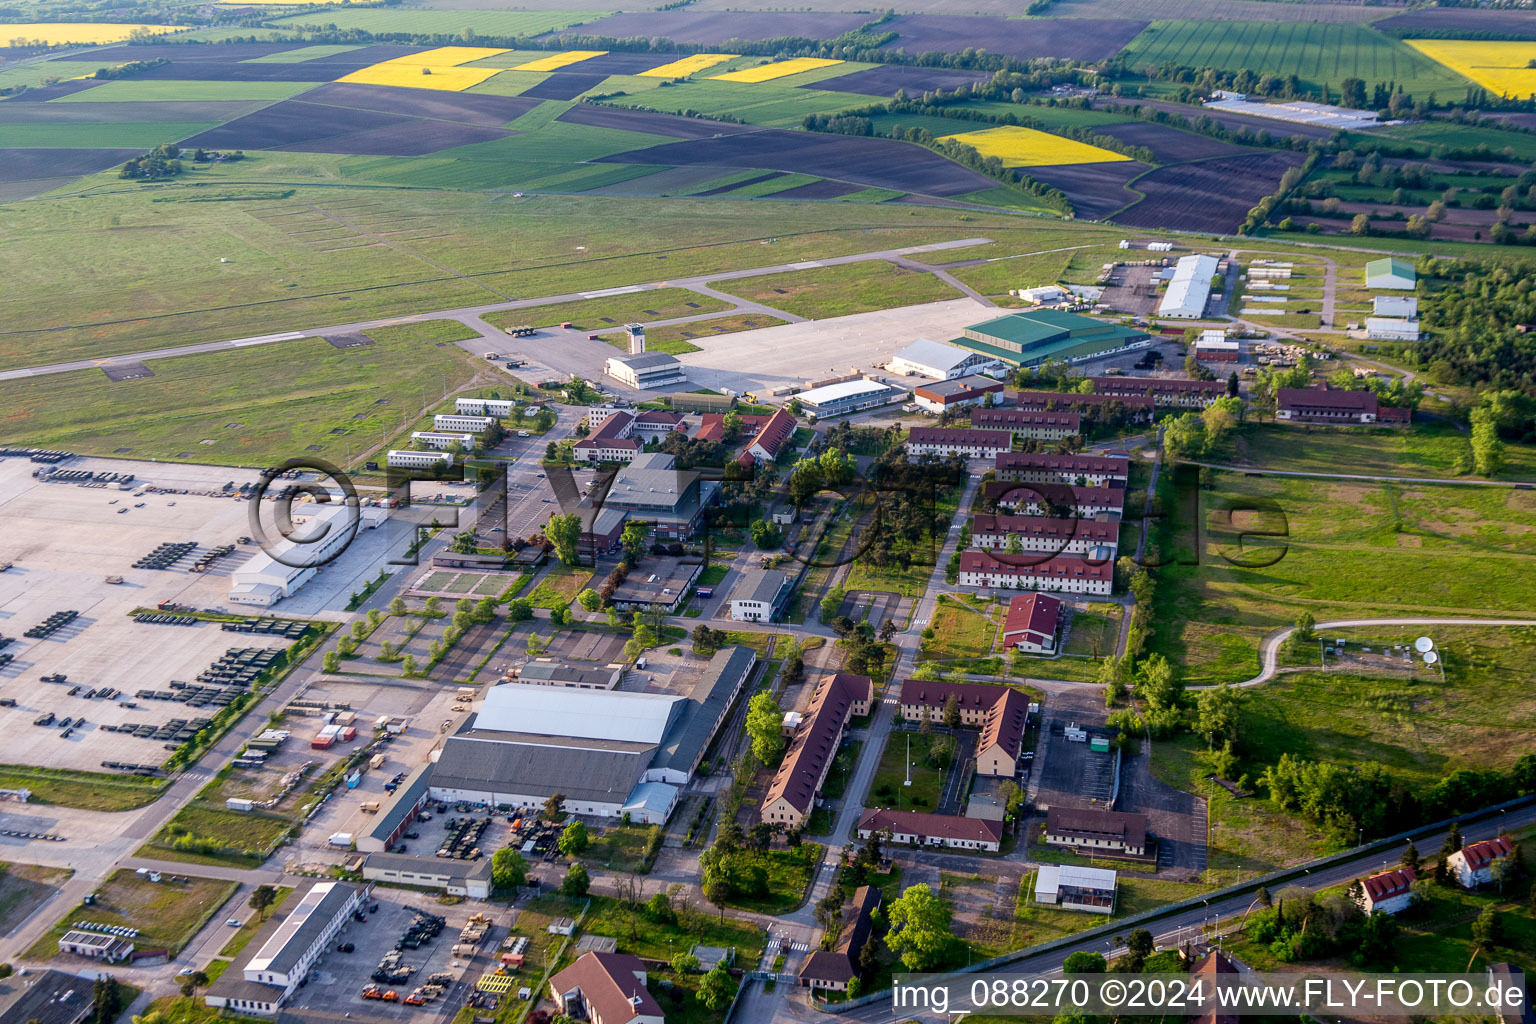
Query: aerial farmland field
{"points": [[1319, 54]]}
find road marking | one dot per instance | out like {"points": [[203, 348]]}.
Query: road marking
{"points": [[630, 290], [807, 265], [265, 338]]}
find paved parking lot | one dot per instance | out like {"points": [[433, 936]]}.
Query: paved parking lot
{"points": [[338, 979]]}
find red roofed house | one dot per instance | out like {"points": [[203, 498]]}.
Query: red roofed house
{"points": [[834, 968], [1088, 830], [791, 795], [612, 441], [1049, 468], [1472, 865], [1032, 622], [1047, 499], [1045, 534], [605, 988], [711, 427], [1209, 972], [999, 711], [948, 441], [1071, 575], [1184, 394], [655, 424], [1388, 892], [773, 435], [1029, 423], [916, 828]]}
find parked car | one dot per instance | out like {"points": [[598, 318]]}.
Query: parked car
{"points": [[345, 947], [234, 922]]}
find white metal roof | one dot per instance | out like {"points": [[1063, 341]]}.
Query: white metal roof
{"points": [[1395, 305], [587, 714], [847, 389], [934, 355], [1189, 287], [1053, 876]]}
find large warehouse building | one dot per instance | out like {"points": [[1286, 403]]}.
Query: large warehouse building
{"points": [[847, 396], [1189, 288], [925, 358], [1030, 338], [264, 580], [609, 752]]}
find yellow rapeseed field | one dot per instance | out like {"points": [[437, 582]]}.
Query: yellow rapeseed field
{"points": [[778, 69], [56, 33], [688, 65], [418, 76], [1499, 67], [431, 69], [1025, 147], [555, 62]]}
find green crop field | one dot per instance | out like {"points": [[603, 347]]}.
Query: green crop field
{"points": [[153, 91], [612, 311], [484, 23], [1521, 145], [773, 186], [252, 406], [1350, 549], [837, 291], [99, 134], [303, 53], [778, 104], [40, 73], [1320, 54]]}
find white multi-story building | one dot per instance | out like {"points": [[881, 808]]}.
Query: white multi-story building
{"points": [[286, 948], [500, 408], [452, 422], [408, 459], [441, 442]]}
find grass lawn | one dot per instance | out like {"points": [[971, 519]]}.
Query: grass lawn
{"points": [[559, 587], [1430, 449], [24, 888], [678, 339], [653, 940], [837, 291], [610, 312], [889, 789], [712, 574], [254, 406], [167, 914], [789, 876], [1416, 725], [960, 632], [1095, 631], [841, 770], [215, 835], [91, 791], [619, 848], [1349, 549]]}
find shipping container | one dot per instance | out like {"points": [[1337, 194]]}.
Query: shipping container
{"points": [[236, 803]]}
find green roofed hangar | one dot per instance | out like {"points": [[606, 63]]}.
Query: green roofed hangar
{"points": [[1031, 338]]}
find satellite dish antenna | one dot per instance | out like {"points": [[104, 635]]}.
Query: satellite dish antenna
{"points": [[1430, 657], [1423, 645]]}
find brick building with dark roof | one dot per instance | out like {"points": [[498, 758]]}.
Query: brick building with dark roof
{"points": [[791, 795], [1047, 535], [1164, 391], [1051, 468], [1000, 712], [835, 968], [1326, 405], [1065, 573], [1093, 406], [917, 828], [1028, 423], [1094, 831], [1053, 499]]}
